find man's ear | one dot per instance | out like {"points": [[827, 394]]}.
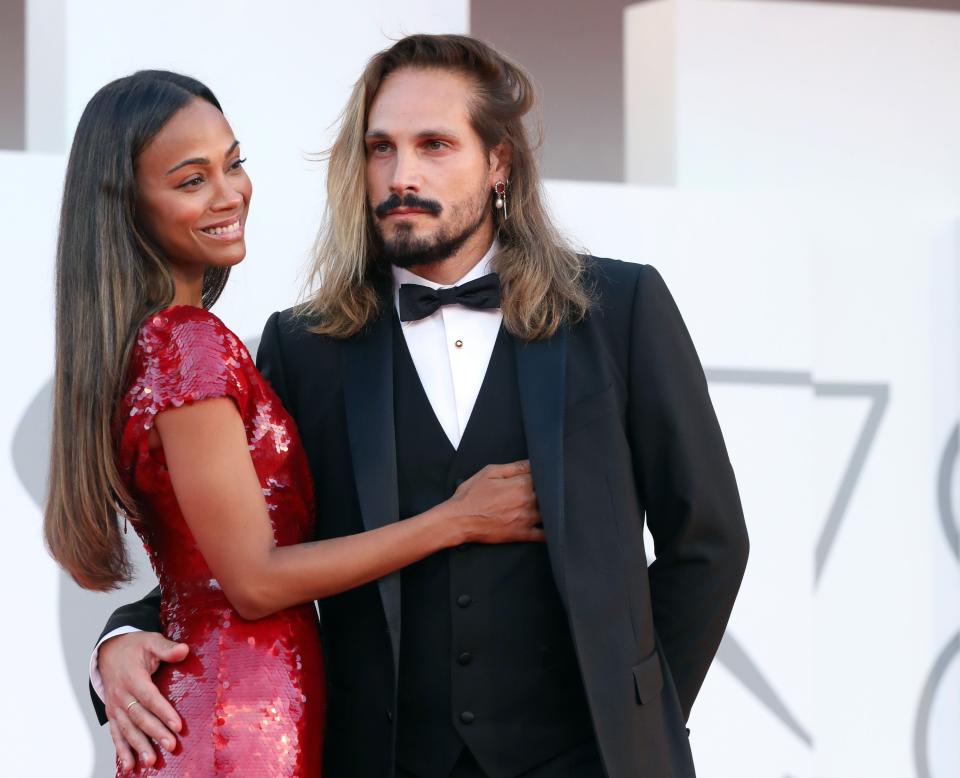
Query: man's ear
{"points": [[501, 157]]}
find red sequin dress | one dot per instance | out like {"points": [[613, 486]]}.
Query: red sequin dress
{"points": [[251, 694]]}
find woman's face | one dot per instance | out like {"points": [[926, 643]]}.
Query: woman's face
{"points": [[192, 190]]}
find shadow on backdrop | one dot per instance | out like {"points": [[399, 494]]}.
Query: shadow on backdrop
{"points": [[82, 613]]}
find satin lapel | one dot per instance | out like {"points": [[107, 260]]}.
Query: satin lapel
{"points": [[368, 397], [541, 373]]}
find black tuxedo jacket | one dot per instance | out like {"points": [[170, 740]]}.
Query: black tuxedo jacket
{"points": [[619, 425]]}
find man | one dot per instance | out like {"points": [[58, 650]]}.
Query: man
{"points": [[413, 367]]}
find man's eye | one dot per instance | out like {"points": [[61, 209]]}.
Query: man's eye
{"points": [[436, 145]]}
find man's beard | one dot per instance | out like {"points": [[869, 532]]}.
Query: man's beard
{"points": [[404, 250]]}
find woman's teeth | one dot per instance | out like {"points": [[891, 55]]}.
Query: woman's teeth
{"points": [[235, 227]]}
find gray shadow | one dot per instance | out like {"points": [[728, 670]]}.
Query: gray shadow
{"points": [[82, 613], [732, 654], [253, 346], [921, 729], [948, 464], [879, 397], [734, 657]]}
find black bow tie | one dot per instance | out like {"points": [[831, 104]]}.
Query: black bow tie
{"points": [[418, 302]]}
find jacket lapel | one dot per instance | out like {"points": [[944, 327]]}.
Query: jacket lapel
{"points": [[541, 373], [368, 399]]}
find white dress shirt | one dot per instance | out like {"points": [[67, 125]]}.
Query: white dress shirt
{"points": [[451, 350]]}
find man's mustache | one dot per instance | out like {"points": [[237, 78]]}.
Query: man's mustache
{"points": [[407, 201]]}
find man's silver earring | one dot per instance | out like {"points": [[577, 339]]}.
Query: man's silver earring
{"points": [[500, 190]]}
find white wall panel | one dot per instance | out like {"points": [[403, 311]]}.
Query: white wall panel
{"points": [[812, 244]]}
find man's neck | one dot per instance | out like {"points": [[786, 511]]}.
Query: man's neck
{"points": [[456, 266]]}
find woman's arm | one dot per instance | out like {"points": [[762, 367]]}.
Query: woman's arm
{"points": [[213, 477]]}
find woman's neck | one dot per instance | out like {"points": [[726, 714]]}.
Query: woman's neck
{"points": [[187, 290]]}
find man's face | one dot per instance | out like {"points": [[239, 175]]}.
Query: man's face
{"points": [[429, 176]]}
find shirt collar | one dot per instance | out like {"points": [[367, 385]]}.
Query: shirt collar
{"points": [[482, 268]]}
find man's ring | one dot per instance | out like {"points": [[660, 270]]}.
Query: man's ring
{"points": [[131, 704]]}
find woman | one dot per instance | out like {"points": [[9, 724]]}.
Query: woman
{"points": [[160, 414]]}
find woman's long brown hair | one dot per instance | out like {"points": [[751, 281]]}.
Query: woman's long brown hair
{"points": [[109, 278]]}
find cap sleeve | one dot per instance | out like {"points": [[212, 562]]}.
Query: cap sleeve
{"points": [[184, 355]]}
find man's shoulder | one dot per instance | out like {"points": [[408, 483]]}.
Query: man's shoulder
{"points": [[614, 285], [291, 320], [604, 273], [292, 332], [297, 324]]}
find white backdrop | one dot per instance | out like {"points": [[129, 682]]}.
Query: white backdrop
{"points": [[818, 273]]}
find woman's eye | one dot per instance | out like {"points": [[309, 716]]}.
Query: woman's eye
{"points": [[238, 163], [436, 145], [191, 182]]}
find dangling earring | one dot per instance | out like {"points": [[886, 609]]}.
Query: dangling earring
{"points": [[500, 190]]}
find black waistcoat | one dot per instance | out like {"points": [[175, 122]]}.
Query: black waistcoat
{"points": [[486, 656]]}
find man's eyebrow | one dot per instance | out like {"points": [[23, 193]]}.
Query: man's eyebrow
{"points": [[429, 133], [200, 160], [441, 131]]}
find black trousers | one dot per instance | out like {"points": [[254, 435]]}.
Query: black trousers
{"points": [[583, 761]]}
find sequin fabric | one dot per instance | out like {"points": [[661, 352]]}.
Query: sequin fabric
{"points": [[251, 693]]}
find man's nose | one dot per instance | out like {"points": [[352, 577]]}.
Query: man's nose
{"points": [[406, 174]]}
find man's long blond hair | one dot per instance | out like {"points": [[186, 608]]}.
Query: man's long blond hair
{"points": [[540, 273]]}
